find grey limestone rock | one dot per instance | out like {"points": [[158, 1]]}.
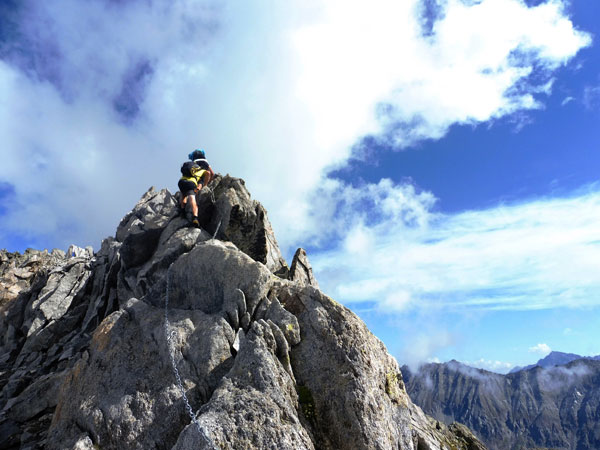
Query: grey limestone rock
{"points": [[39, 396], [39, 342], [301, 270], [210, 285], [212, 273], [265, 359], [228, 210], [56, 296], [77, 252], [17, 272], [153, 211], [256, 404], [352, 388], [140, 406]]}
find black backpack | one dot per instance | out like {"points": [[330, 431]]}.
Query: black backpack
{"points": [[186, 168]]}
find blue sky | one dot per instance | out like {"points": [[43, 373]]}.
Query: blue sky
{"points": [[438, 160]]}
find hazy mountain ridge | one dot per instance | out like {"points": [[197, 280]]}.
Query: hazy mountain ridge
{"points": [[265, 358], [554, 358], [555, 407]]}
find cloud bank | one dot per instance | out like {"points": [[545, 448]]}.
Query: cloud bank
{"points": [[491, 365], [534, 255], [102, 99]]}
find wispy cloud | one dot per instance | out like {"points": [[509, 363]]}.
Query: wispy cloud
{"points": [[591, 97], [102, 99], [541, 349], [425, 344], [537, 254], [559, 377], [491, 365]]}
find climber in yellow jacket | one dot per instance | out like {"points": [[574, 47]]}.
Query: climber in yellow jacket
{"points": [[196, 174]]}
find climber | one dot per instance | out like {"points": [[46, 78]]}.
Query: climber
{"points": [[196, 174], [189, 184], [199, 157]]}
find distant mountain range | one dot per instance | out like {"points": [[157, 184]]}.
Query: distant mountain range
{"points": [[554, 359], [548, 405]]}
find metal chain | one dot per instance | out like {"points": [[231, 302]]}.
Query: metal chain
{"points": [[170, 335], [217, 230], [212, 193]]}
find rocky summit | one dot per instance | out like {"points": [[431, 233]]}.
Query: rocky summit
{"points": [[172, 337]]}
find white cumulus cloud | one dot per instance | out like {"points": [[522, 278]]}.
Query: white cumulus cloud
{"points": [[102, 99], [538, 254]]}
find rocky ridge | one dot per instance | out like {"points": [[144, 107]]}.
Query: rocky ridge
{"points": [[556, 407], [552, 359], [266, 360]]}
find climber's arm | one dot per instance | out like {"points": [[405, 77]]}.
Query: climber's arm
{"points": [[211, 175]]}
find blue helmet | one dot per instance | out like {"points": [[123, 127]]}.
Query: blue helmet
{"points": [[197, 154]]}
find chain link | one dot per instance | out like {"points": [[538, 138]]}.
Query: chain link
{"points": [[169, 336], [212, 193]]}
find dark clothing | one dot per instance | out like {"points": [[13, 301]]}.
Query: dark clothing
{"points": [[192, 178], [188, 167], [190, 182], [187, 187], [203, 163]]}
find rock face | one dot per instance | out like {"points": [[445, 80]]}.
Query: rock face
{"points": [[39, 336], [557, 407], [109, 350], [17, 272]]}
